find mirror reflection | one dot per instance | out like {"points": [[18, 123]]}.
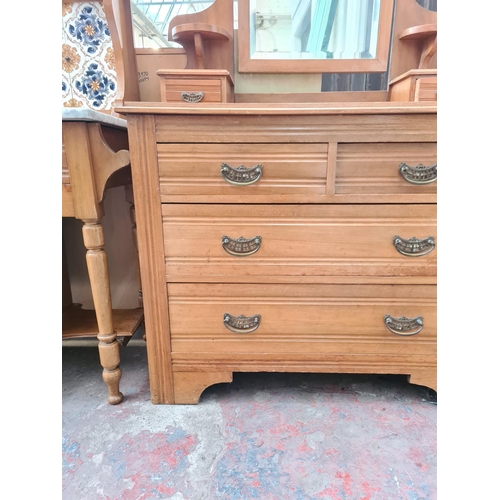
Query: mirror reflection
{"points": [[314, 29]]}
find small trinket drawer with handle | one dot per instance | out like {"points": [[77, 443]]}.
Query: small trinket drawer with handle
{"points": [[288, 238]]}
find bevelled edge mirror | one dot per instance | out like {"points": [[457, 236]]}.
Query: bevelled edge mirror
{"points": [[314, 36]]}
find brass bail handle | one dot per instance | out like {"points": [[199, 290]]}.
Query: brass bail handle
{"points": [[404, 326], [414, 247], [192, 96], [241, 176], [419, 174], [241, 247], [241, 324]]}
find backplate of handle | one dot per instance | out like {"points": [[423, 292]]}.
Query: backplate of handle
{"points": [[419, 174], [192, 96], [241, 247], [241, 176], [403, 325], [414, 247], [241, 324]]}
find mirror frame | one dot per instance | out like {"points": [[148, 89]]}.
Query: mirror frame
{"points": [[378, 64]]}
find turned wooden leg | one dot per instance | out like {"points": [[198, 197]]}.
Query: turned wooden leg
{"points": [[109, 348], [188, 386]]}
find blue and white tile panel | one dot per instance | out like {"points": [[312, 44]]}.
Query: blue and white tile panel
{"points": [[88, 60]]}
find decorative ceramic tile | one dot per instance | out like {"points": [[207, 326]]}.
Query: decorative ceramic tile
{"points": [[88, 60]]}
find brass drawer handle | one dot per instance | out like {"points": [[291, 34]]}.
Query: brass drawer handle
{"points": [[403, 325], [241, 324], [419, 174], [241, 176], [241, 247], [414, 247], [192, 96]]}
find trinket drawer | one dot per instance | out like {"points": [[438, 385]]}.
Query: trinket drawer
{"points": [[293, 238]]}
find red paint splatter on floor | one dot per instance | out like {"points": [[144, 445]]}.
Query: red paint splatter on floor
{"points": [[368, 490], [346, 481], [154, 463], [304, 447], [331, 493]]}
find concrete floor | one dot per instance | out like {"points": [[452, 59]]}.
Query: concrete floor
{"points": [[264, 436]]}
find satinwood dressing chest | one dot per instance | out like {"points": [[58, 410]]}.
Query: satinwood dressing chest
{"points": [[285, 237]]}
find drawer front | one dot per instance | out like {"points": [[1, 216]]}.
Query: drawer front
{"points": [[173, 89], [298, 240], [325, 323], [195, 170], [374, 169], [298, 173]]}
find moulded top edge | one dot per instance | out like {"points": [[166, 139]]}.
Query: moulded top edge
{"points": [[317, 108]]}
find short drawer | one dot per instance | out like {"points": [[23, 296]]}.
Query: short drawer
{"points": [[243, 172], [191, 91], [298, 240], [248, 322], [403, 169]]}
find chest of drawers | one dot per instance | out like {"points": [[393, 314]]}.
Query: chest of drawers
{"points": [[292, 238]]}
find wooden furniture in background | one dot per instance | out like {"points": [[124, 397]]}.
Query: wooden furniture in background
{"points": [[95, 157], [285, 237], [413, 70]]}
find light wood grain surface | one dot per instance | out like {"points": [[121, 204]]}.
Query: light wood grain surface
{"points": [[327, 210]]}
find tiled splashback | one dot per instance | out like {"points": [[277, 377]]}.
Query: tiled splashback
{"points": [[88, 59]]}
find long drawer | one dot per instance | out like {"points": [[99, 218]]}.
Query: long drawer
{"points": [[299, 240], [298, 173], [245, 323]]}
